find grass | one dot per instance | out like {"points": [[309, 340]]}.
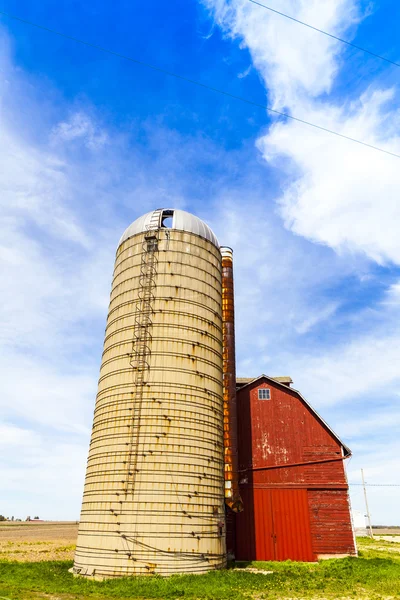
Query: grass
{"points": [[374, 575]]}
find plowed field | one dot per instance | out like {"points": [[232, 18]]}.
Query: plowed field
{"points": [[35, 542]]}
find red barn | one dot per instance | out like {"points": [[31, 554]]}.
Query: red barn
{"points": [[292, 478]]}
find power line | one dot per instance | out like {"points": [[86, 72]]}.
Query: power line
{"points": [[391, 62], [198, 83], [378, 484]]}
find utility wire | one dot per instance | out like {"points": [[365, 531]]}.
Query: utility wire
{"points": [[327, 34], [378, 484], [198, 83]]}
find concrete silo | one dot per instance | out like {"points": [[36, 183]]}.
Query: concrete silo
{"points": [[154, 490]]}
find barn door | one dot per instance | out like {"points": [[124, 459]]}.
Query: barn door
{"points": [[254, 535], [291, 525], [274, 525], [264, 534]]}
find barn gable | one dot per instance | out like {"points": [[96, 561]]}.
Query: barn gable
{"points": [[284, 384]]}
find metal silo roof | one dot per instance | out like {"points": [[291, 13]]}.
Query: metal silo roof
{"points": [[181, 220]]}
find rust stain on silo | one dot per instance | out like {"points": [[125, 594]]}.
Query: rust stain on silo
{"points": [[232, 494]]}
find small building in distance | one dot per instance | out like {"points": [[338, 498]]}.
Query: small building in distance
{"points": [[360, 523], [292, 478]]}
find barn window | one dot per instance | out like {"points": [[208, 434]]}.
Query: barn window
{"points": [[264, 394]]}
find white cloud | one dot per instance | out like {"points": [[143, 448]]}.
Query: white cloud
{"points": [[380, 463], [41, 475], [366, 366], [317, 317], [54, 290], [345, 196], [336, 192], [42, 287], [80, 127], [382, 419], [12, 436], [280, 279], [58, 397], [293, 60], [392, 297], [34, 188], [244, 73]]}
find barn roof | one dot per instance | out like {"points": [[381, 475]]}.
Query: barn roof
{"points": [[283, 383], [242, 381]]}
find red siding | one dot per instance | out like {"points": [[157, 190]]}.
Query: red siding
{"points": [[330, 523], [276, 438], [245, 528]]}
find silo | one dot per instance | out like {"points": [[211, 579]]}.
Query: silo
{"points": [[232, 492], [154, 490]]}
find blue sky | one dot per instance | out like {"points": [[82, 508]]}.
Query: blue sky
{"points": [[88, 142]]}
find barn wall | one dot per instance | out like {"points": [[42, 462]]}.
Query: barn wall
{"points": [[282, 434], [331, 528], [230, 532], [283, 431]]}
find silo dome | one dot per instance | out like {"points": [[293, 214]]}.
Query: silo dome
{"points": [[181, 220], [154, 490]]}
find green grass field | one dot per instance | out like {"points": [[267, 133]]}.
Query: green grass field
{"points": [[375, 574]]}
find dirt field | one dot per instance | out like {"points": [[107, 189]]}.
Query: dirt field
{"points": [[55, 540], [386, 530], [38, 541]]}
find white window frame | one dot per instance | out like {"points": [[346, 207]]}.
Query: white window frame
{"points": [[264, 393]]}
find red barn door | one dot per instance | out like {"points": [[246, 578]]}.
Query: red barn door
{"points": [[275, 525], [254, 539], [291, 523]]}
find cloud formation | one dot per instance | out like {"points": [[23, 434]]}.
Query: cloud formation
{"points": [[293, 61], [80, 126], [336, 192], [55, 293]]}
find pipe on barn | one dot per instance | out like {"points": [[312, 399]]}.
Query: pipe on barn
{"points": [[232, 494]]}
